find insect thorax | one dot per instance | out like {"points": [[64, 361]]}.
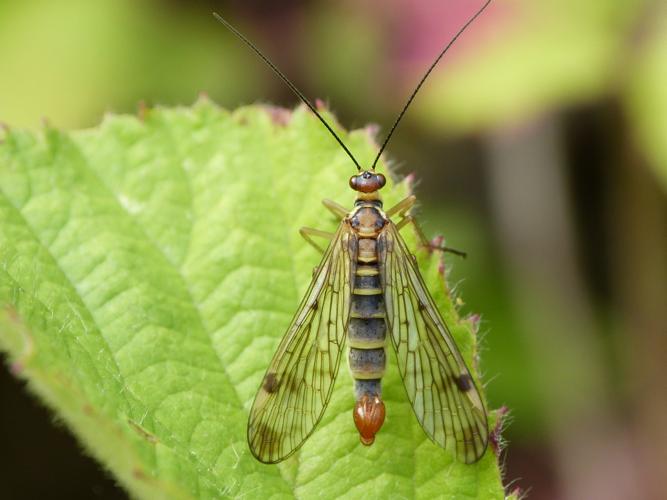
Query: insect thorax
{"points": [[367, 219]]}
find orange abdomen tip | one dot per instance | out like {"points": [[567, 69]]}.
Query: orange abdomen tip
{"points": [[368, 417]]}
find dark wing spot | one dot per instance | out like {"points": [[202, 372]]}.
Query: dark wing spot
{"points": [[271, 383], [422, 306], [314, 305], [463, 382]]}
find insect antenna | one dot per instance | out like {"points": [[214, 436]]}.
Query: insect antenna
{"points": [[421, 82], [292, 87]]}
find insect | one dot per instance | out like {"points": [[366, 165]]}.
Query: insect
{"points": [[367, 291]]}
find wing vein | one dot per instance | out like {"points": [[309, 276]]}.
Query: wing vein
{"points": [[287, 406], [437, 381]]}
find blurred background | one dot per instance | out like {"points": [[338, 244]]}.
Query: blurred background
{"points": [[540, 148]]}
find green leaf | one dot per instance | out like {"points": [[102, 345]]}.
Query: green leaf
{"points": [[148, 268]]}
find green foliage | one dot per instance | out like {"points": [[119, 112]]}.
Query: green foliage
{"points": [[148, 268], [535, 57], [109, 54]]}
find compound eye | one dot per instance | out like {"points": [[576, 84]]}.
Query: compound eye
{"points": [[354, 182], [381, 180]]}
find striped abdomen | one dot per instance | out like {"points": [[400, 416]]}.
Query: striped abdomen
{"points": [[366, 337]]}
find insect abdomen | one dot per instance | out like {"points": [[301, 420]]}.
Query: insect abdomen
{"points": [[367, 328], [367, 333]]}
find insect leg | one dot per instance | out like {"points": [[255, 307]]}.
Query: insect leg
{"points": [[402, 206], [409, 219], [335, 208], [400, 209], [308, 232]]}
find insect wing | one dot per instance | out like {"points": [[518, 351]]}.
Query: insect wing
{"points": [[299, 381], [437, 381]]}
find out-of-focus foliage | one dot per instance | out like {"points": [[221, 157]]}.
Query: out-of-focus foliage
{"points": [[69, 61], [532, 58], [647, 89]]}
